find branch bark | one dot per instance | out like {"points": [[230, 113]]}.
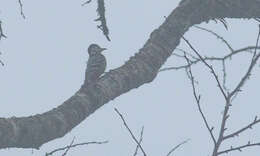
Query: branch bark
{"points": [[33, 131]]}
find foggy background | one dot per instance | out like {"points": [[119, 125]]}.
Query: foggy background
{"points": [[45, 59]]}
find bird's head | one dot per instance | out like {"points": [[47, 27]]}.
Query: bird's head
{"points": [[95, 49]]}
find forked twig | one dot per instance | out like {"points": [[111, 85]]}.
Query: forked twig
{"points": [[209, 66], [129, 130], [197, 98], [75, 145], [140, 141], [65, 153]]}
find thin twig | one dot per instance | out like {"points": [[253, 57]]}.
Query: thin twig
{"points": [[248, 73], [218, 36], [2, 35], [225, 116], [86, 2], [209, 66], [257, 40], [197, 98], [227, 106], [101, 12], [176, 147], [239, 148], [186, 53], [75, 145], [257, 19], [224, 75], [101, 17], [249, 126], [21, 8], [2, 63], [197, 60], [140, 141], [131, 133], [65, 153]]}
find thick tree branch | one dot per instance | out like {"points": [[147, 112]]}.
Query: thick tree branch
{"points": [[33, 131]]}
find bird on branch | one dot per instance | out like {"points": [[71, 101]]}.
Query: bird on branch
{"points": [[96, 64]]}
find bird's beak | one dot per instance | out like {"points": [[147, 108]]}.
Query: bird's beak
{"points": [[102, 49]]}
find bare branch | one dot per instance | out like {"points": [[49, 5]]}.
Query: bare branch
{"points": [[249, 126], [101, 17], [245, 49], [218, 36], [65, 153], [21, 8], [1, 62], [141, 69], [2, 35], [209, 66], [224, 22], [224, 75], [257, 40], [86, 2], [75, 145], [186, 53], [239, 148], [227, 106], [228, 96], [140, 141], [225, 116], [248, 73], [132, 135], [197, 98], [176, 147], [197, 60], [257, 19]]}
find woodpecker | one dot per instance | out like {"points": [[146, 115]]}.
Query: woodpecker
{"points": [[96, 64]]}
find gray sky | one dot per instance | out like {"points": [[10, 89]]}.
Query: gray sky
{"points": [[45, 57]]}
